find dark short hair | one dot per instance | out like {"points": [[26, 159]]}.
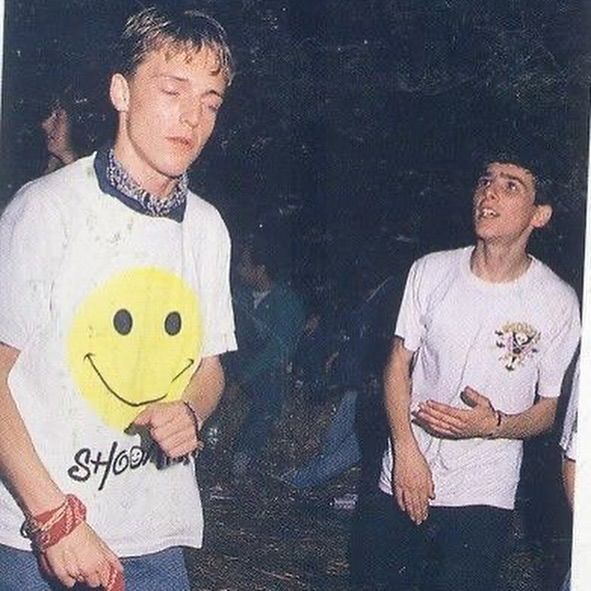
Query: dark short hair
{"points": [[172, 27], [528, 160], [81, 95]]}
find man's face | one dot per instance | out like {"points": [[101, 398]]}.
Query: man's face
{"points": [[247, 270], [56, 127], [167, 112], [504, 204]]}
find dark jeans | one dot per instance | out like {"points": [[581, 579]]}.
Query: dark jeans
{"points": [[456, 549], [340, 448], [267, 394], [161, 571]]}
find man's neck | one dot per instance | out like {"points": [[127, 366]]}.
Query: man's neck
{"points": [[499, 263], [157, 184]]}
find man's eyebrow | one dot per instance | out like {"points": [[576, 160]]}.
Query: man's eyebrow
{"points": [[512, 177]]}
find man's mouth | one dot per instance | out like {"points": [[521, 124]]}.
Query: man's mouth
{"points": [[181, 141], [90, 358], [486, 213]]}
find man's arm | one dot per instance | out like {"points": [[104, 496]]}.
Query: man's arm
{"points": [[412, 483], [172, 425], [481, 419], [79, 554]]}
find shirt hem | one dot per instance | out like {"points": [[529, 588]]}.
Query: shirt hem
{"points": [[129, 551]]}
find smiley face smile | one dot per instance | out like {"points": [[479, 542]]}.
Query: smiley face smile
{"points": [[89, 357]]}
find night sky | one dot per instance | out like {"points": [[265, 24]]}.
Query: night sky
{"points": [[351, 124]]}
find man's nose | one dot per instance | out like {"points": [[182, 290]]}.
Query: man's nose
{"points": [[491, 190], [191, 114]]}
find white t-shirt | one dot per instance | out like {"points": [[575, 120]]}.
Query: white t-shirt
{"points": [[111, 310], [568, 440], [509, 341]]}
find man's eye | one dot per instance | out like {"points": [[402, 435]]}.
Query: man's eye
{"points": [[170, 91], [213, 107], [512, 186], [483, 182]]}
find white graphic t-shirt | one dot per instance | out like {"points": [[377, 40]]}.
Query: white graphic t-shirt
{"points": [[111, 310], [509, 341]]}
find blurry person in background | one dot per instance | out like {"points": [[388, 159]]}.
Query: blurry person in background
{"points": [[269, 322], [75, 122]]}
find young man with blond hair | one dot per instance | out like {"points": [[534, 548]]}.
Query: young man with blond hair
{"points": [[114, 309]]}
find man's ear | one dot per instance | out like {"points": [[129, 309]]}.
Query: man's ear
{"points": [[119, 92], [542, 215]]}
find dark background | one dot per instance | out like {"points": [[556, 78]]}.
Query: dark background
{"points": [[351, 124]]}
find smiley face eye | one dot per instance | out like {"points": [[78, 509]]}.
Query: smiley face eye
{"points": [[172, 323], [123, 322]]}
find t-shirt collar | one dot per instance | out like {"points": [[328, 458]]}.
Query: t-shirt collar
{"points": [[115, 181]]}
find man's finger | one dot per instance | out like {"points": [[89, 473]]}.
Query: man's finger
{"points": [[438, 427], [116, 580], [144, 418], [416, 504], [443, 421], [473, 398], [444, 411]]}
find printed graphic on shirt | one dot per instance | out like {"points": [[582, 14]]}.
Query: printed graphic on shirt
{"points": [[134, 341], [518, 341], [100, 466]]}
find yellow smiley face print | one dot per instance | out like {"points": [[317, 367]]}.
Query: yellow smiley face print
{"points": [[135, 340]]}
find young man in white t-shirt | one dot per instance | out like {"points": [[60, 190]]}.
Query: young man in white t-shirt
{"points": [[483, 338], [114, 309]]}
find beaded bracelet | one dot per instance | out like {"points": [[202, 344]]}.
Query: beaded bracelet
{"points": [[196, 418]]}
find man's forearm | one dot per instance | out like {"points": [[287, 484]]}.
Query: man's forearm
{"points": [[537, 419], [397, 389], [20, 466], [206, 386]]}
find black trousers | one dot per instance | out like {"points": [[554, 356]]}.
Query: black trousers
{"points": [[455, 549]]}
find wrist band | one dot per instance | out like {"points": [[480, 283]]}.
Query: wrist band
{"points": [[196, 418], [50, 527], [493, 434]]}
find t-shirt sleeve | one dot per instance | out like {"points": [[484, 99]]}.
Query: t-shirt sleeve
{"points": [[218, 313], [568, 439], [32, 238], [562, 344], [409, 325]]}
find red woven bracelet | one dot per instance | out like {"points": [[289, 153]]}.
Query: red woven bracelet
{"points": [[49, 528]]}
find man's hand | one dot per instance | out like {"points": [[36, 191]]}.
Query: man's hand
{"points": [[172, 427], [445, 421], [82, 557], [412, 483]]}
